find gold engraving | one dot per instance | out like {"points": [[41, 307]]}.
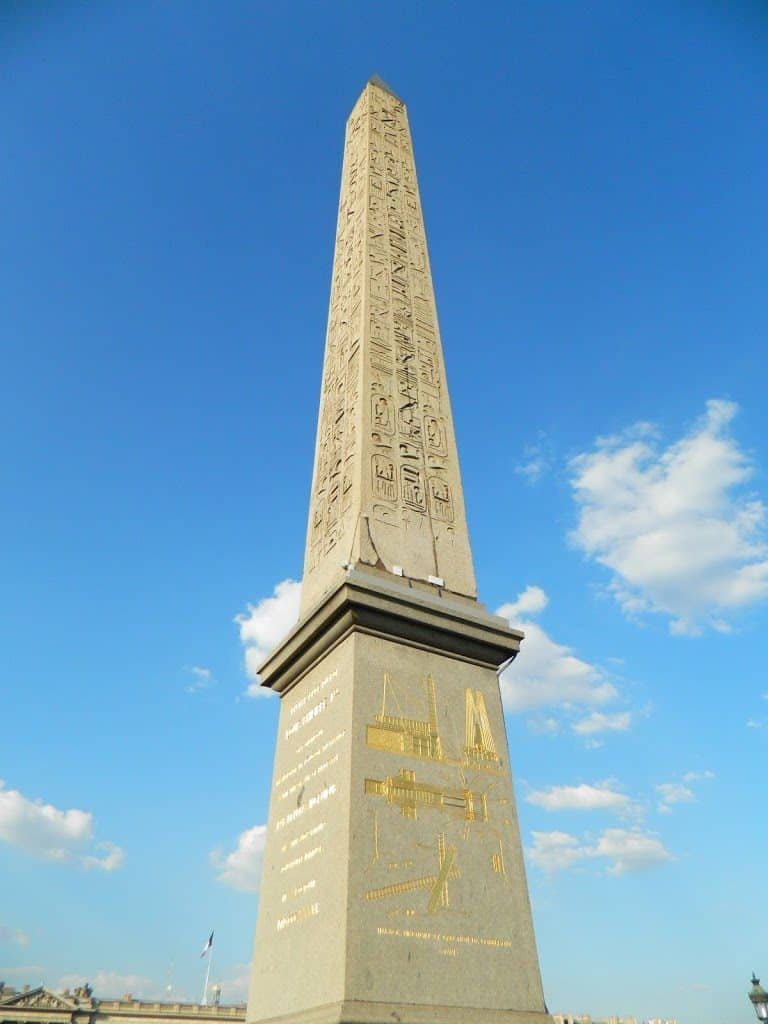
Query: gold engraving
{"points": [[302, 914], [469, 940], [309, 834], [311, 694], [437, 883], [298, 890], [310, 757], [479, 746], [312, 713], [398, 734], [375, 854], [401, 912], [325, 794], [497, 861], [405, 793], [329, 763], [312, 739], [438, 897], [303, 859]]}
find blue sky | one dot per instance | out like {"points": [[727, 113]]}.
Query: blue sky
{"points": [[593, 182]]}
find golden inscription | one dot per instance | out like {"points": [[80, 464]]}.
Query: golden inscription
{"points": [[325, 794], [303, 859], [302, 914], [298, 890], [329, 763], [310, 757], [314, 692], [469, 940], [308, 743], [309, 834], [313, 712]]}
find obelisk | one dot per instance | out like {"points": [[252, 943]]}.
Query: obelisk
{"points": [[393, 887]]}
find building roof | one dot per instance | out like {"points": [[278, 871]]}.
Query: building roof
{"points": [[42, 1006]]}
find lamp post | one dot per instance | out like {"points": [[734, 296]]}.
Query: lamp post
{"points": [[759, 999]]}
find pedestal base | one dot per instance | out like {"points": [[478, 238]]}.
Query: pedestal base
{"points": [[357, 1012]]}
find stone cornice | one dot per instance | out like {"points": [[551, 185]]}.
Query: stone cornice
{"points": [[368, 602]]}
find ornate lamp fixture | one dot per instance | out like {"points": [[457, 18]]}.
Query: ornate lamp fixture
{"points": [[759, 999]]}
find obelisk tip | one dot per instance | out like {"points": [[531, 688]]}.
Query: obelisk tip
{"points": [[381, 84]]}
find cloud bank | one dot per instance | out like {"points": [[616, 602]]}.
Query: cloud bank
{"points": [[674, 525], [241, 868], [44, 831], [549, 681], [602, 796], [626, 851], [264, 625]]}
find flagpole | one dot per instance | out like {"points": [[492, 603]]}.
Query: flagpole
{"points": [[207, 977]]}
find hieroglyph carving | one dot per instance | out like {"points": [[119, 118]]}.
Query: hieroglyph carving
{"points": [[386, 487], [331, 500], [408, 429]]}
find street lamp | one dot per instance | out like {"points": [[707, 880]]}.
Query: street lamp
{"points": [[759, 999]]}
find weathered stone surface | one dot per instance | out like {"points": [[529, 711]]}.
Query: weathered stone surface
{"points": [[393, 875], [393, 887], [386, 489]]}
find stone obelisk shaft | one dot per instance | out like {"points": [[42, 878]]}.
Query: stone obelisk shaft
{"points": [[386, 490], [393, 887]]}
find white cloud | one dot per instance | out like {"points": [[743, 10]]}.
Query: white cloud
{"points": [[201, 679], [674, 525], [241, 868], [626, 850], [630, 850], [12, 936], [554, 851], [544, 725], [537, 460], [43, 830], [111, 859], [671, 793], [112, 985], [599, 721], [548, 674], [264, 625], [529, 602], [601, 796], [698, 776]]}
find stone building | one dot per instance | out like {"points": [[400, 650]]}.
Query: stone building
{"points": [[41, 1006]]}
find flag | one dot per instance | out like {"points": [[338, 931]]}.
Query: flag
{"points": [[208, 945]]}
